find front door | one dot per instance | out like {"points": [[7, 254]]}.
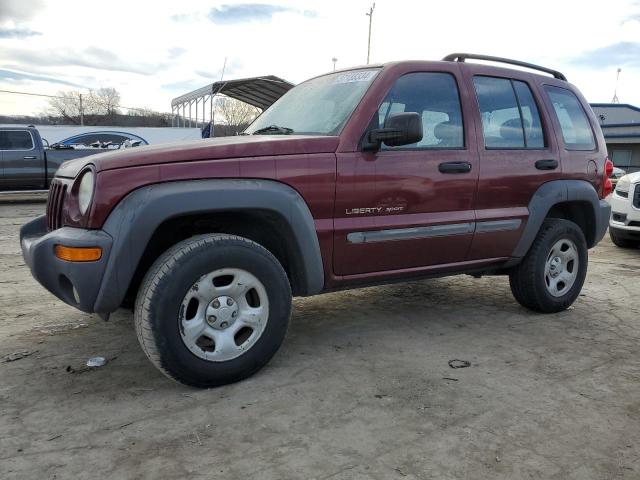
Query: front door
{"points": [[411, 206]]}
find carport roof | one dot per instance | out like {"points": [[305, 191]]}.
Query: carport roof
{"points": [[260, 92]]}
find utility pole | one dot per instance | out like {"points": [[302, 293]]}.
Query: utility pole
{"points": [[615, 91], [370, 15], [81, 111], [334, 60]]}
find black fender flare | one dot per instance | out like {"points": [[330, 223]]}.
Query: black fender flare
{"points": [[136, 217], [561, 191]]}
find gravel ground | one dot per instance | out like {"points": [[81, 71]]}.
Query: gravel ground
{"points": [[360, 389]]}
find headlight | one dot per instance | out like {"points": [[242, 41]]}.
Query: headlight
{"points": [[623, 184], [85, 191]]}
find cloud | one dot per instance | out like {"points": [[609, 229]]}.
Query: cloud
{"points": [[185, 17], [19, 10], [232, 67], [175, 52], [617, 55], [250, 12], [17, 32], [19, 77], [184, 86], [231, 14], [90, 57]]}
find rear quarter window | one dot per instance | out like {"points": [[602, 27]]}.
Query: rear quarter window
{"points": [[576, 130]]}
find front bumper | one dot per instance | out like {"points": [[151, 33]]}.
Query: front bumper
{"points": [[626, 233], [625, 217], [75, 283]]}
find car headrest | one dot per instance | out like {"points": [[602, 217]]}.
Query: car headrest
{"points": [[447, 133], [511, 130]]}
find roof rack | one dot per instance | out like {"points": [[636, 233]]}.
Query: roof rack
{"points": [[461, 57]]}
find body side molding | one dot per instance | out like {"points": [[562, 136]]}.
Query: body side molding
{"points": [[136, 217], [414, 233], [410, 233]]}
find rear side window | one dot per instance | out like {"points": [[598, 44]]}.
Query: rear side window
{"points": [[15, 140], [510, 117], [434, 96], [576, 131]]}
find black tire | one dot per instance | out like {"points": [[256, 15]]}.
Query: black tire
{"points": [[527, 280], [622, 242], [163, 289]]}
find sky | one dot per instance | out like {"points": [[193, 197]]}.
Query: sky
{"points": [[153, 51]]}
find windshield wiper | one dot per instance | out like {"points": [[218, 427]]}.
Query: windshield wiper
{"points": [[274, 130]]}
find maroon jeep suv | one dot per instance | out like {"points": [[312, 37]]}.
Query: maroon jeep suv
{"points": [[363, 176]]}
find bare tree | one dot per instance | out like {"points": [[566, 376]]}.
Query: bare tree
{"points": [[67, 105], [105, 101], [99, 105], [235, 114]]}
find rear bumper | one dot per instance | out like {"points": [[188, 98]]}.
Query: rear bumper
{"points": [[75, 283], [602, 221]]}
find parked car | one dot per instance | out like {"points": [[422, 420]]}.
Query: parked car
{"points": [[617, 174], [377, 174], [101, 139], [624, 226]]}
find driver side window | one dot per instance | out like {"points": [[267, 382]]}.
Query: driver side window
{"points": [[434, 96]]}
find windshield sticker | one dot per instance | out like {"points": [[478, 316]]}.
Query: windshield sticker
{"points": [[359, 76]]}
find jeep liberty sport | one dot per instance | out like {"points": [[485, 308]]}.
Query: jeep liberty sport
{"points": [[358, 177]]}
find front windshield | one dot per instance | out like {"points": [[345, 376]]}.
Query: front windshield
{"points": [[320, 106]]}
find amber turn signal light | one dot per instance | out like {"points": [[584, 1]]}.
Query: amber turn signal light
{"points": [[78, 254]]}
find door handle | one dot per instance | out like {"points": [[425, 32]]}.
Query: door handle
{"points": [[454, 167], [549, 164], [30, 157]]}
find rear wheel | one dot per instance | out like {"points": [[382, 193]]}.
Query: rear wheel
{"points": [[622, 242], [213, 310], [551, 275]]}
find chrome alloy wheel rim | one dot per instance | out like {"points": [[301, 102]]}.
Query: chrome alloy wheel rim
{"points": [[561, 268], [223, 314]]}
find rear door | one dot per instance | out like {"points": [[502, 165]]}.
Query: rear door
{"points": [[518, 153], [22, 162], [409, 207]]}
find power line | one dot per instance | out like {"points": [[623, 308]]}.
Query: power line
{"points": [[94, 99]]}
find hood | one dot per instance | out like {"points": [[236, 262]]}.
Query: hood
{"points": [[207, 149], [630, 178]]}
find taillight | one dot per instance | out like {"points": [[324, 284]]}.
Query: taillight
{"points": [[607, 186]]}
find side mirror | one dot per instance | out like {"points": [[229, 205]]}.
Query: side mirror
{"points": [[399, 129]]}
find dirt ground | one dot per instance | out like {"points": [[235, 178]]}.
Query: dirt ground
{"points": [[360, 389]]}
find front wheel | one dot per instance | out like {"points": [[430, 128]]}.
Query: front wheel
{"points": [[551, 275], [213, 309]]}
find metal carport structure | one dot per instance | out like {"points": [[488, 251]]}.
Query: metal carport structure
{"points": [[260, 92]]}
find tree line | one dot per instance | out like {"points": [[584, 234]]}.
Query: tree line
{"points": [[103, 107]]}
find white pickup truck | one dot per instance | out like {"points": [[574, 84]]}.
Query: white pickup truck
{"points": [[624, 226]]}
